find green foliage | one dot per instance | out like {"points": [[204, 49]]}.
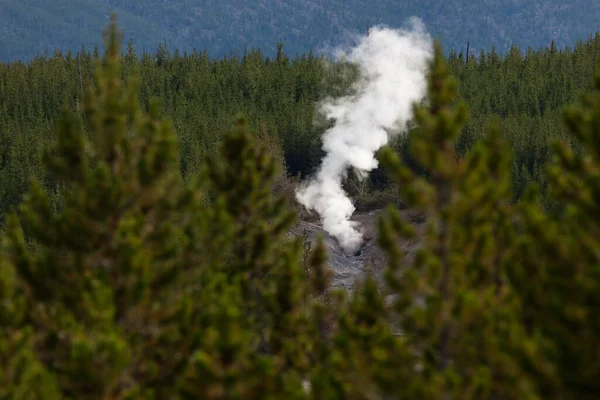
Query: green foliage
{"points": [[138, 289], [108, 258], [452, 304], [278, 96], [23, 376], [558, 260]]}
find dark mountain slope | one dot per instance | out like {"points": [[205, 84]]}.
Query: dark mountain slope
{"points": [[27, 27]]}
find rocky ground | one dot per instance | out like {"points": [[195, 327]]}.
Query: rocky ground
{"points": [[347, 268]]}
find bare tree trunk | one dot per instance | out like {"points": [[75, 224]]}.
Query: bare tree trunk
{"points": [[79, 70], [467, 62]]}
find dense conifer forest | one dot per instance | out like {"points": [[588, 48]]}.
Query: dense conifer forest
{"points": [[145, 249], [525, 89]]}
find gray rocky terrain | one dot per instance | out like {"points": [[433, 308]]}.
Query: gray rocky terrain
{"points": [[348, 268]]}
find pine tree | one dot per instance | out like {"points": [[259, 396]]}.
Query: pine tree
{"points": [[103, 265], [262, 304], [556, 270], [456, 312], [142, 287]]}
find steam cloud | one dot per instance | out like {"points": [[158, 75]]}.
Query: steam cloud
{"points": [[393, 65]]}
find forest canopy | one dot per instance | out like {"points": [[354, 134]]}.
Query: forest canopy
{"points": [[279, 95]]}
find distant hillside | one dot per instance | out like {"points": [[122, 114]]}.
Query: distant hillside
{"points": [[28, 27]]}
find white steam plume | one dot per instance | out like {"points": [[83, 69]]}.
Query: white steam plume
{"points": [[393, 66]]}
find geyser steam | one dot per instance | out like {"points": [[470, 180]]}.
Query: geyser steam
{"points": [[393, 65]]}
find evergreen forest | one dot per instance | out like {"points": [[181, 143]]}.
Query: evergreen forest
{"points": [[146, 201]]}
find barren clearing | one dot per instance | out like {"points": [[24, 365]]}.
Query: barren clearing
{"points": [[348, 268]]}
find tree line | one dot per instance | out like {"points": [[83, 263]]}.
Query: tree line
{"points": [[279, 95]]}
